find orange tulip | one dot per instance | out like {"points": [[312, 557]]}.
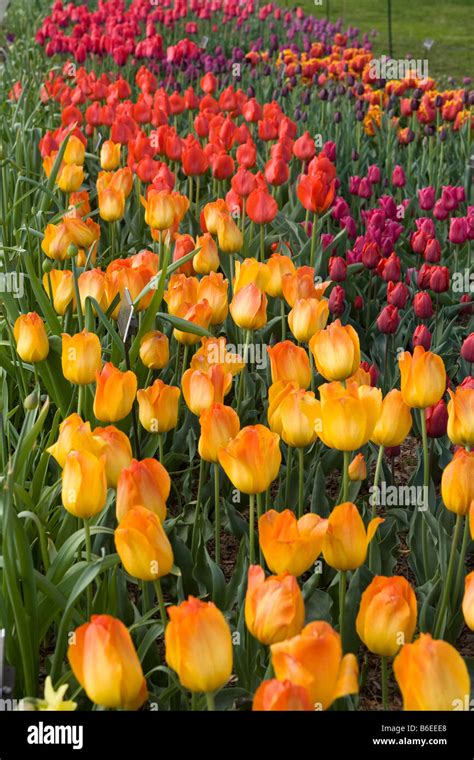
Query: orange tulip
{"points": [[200, 314], [84, 485], [461, 416], [251, 271], [158, 407], [57, 243], [219, 424], [74, 435], [432, 675], [299, 414], [110, 155], [81, 357], [70, 178], [346, 541], [105, 663], [278, 265], [423, 378], [59, 286], [207, 259], [289, 362], [201, 389], [252, 459], [301, 285], [348, 415], [92, 284], [281, 696], [277, 393], [336, 351], [468, 601], [75, 151], [249, 308], [145, 483], [316, 192], [181, 290], [111, 204], [116, 448], [214, 351], [31, 340], [307, 316], [394, 422], [291, 545], [229, 236], [154, 350], [457, 482], [143, 545], [83, 234], [387, 615], [115, 393], [196, 627], [314, 661], [214, 288], [211, 213], [159, 209], [274, 607], [357, 469]]}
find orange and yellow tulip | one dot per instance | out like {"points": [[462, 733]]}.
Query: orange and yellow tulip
{"points": [[31, 340], [81, 357], [394, 422], [346, 540], [336, 351], [116, 448], [457, 482], [307, 316], [274, 607], [84, 484], [290, 545], [423, 378], [115, 393], [289, 362], [281, 696], [387, 615], [143, 483], [158, 407], [461, 417], [252, 459], [154, 349], [143, 545]]}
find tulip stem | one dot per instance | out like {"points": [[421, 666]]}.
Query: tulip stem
{"points": [[385, 683], [251, 528], [262, 242], [289, 458], [134, 411], [161, 603], [161, 451], [283, 320], [217, 516], [439, 624], [426, 485], [198, 508], [311, 366], [300, 481], [210, 701], [259, 514], [378, 470], [462, 557], [87, 533], [80, 389], [313, 241], [345, 476], [342, 603]]}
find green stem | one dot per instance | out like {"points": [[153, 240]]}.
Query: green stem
{"points": [[378, 470], [283, 319], [300, 481], [161, 452], [345, 476], [161, 603], [289, 458], [342, 603], [262, 242], [198, 509], [385, 683], [426, 485], [462, 557], [313, 241], [210, 701], [259, 514], [251, 528], [217, 516], [87, 533], [439, 625]]}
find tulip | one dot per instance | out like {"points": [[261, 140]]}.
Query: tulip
{"points": [[74, 434], [229, 236], [110, 155], [467, 348], [219, 425], [196, 627], [289, 363], [436, 420], [316, 192], [394, 422], [432, 675], [143, 545], [214, 351], [280, 696], [83, 234], [457, 482], [277, 266], [154, 350], [111, 204], [290, 545], [261, 207], [336, 351], [92, 284], [145, 483], [461, 417], [116, 448], [158, 407], [315, 661], [159, 209], [423, 378], [84, 484], [249, 308], [81, 357], [207, 259], [346, 541], [308, 316], [199, 314], [115, 393], [348, 415], [468, 601], [301, 285], [251, 461], [387, 615], [422, 305], [105, 663], [70, 178], [75, 151], [274, 607], [211, 214], [59, 286], [31, 340], [251, 271], [181, 290], [299, 413], [214, 288], [201, 389], [357, 469]]}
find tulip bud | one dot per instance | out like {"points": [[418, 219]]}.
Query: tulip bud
{"points": [[144, 483], [280, 696], [84, 485], [154, 350], [31, 340], [358, 468], [457, 482], [81, 357], [387, 615], [143, 545], [395, 421], [422, 337], [436, 420]]}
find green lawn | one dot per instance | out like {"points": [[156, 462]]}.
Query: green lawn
{"points": [[449, 23]]}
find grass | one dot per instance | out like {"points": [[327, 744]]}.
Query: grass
{"points": [[449, 23]]}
